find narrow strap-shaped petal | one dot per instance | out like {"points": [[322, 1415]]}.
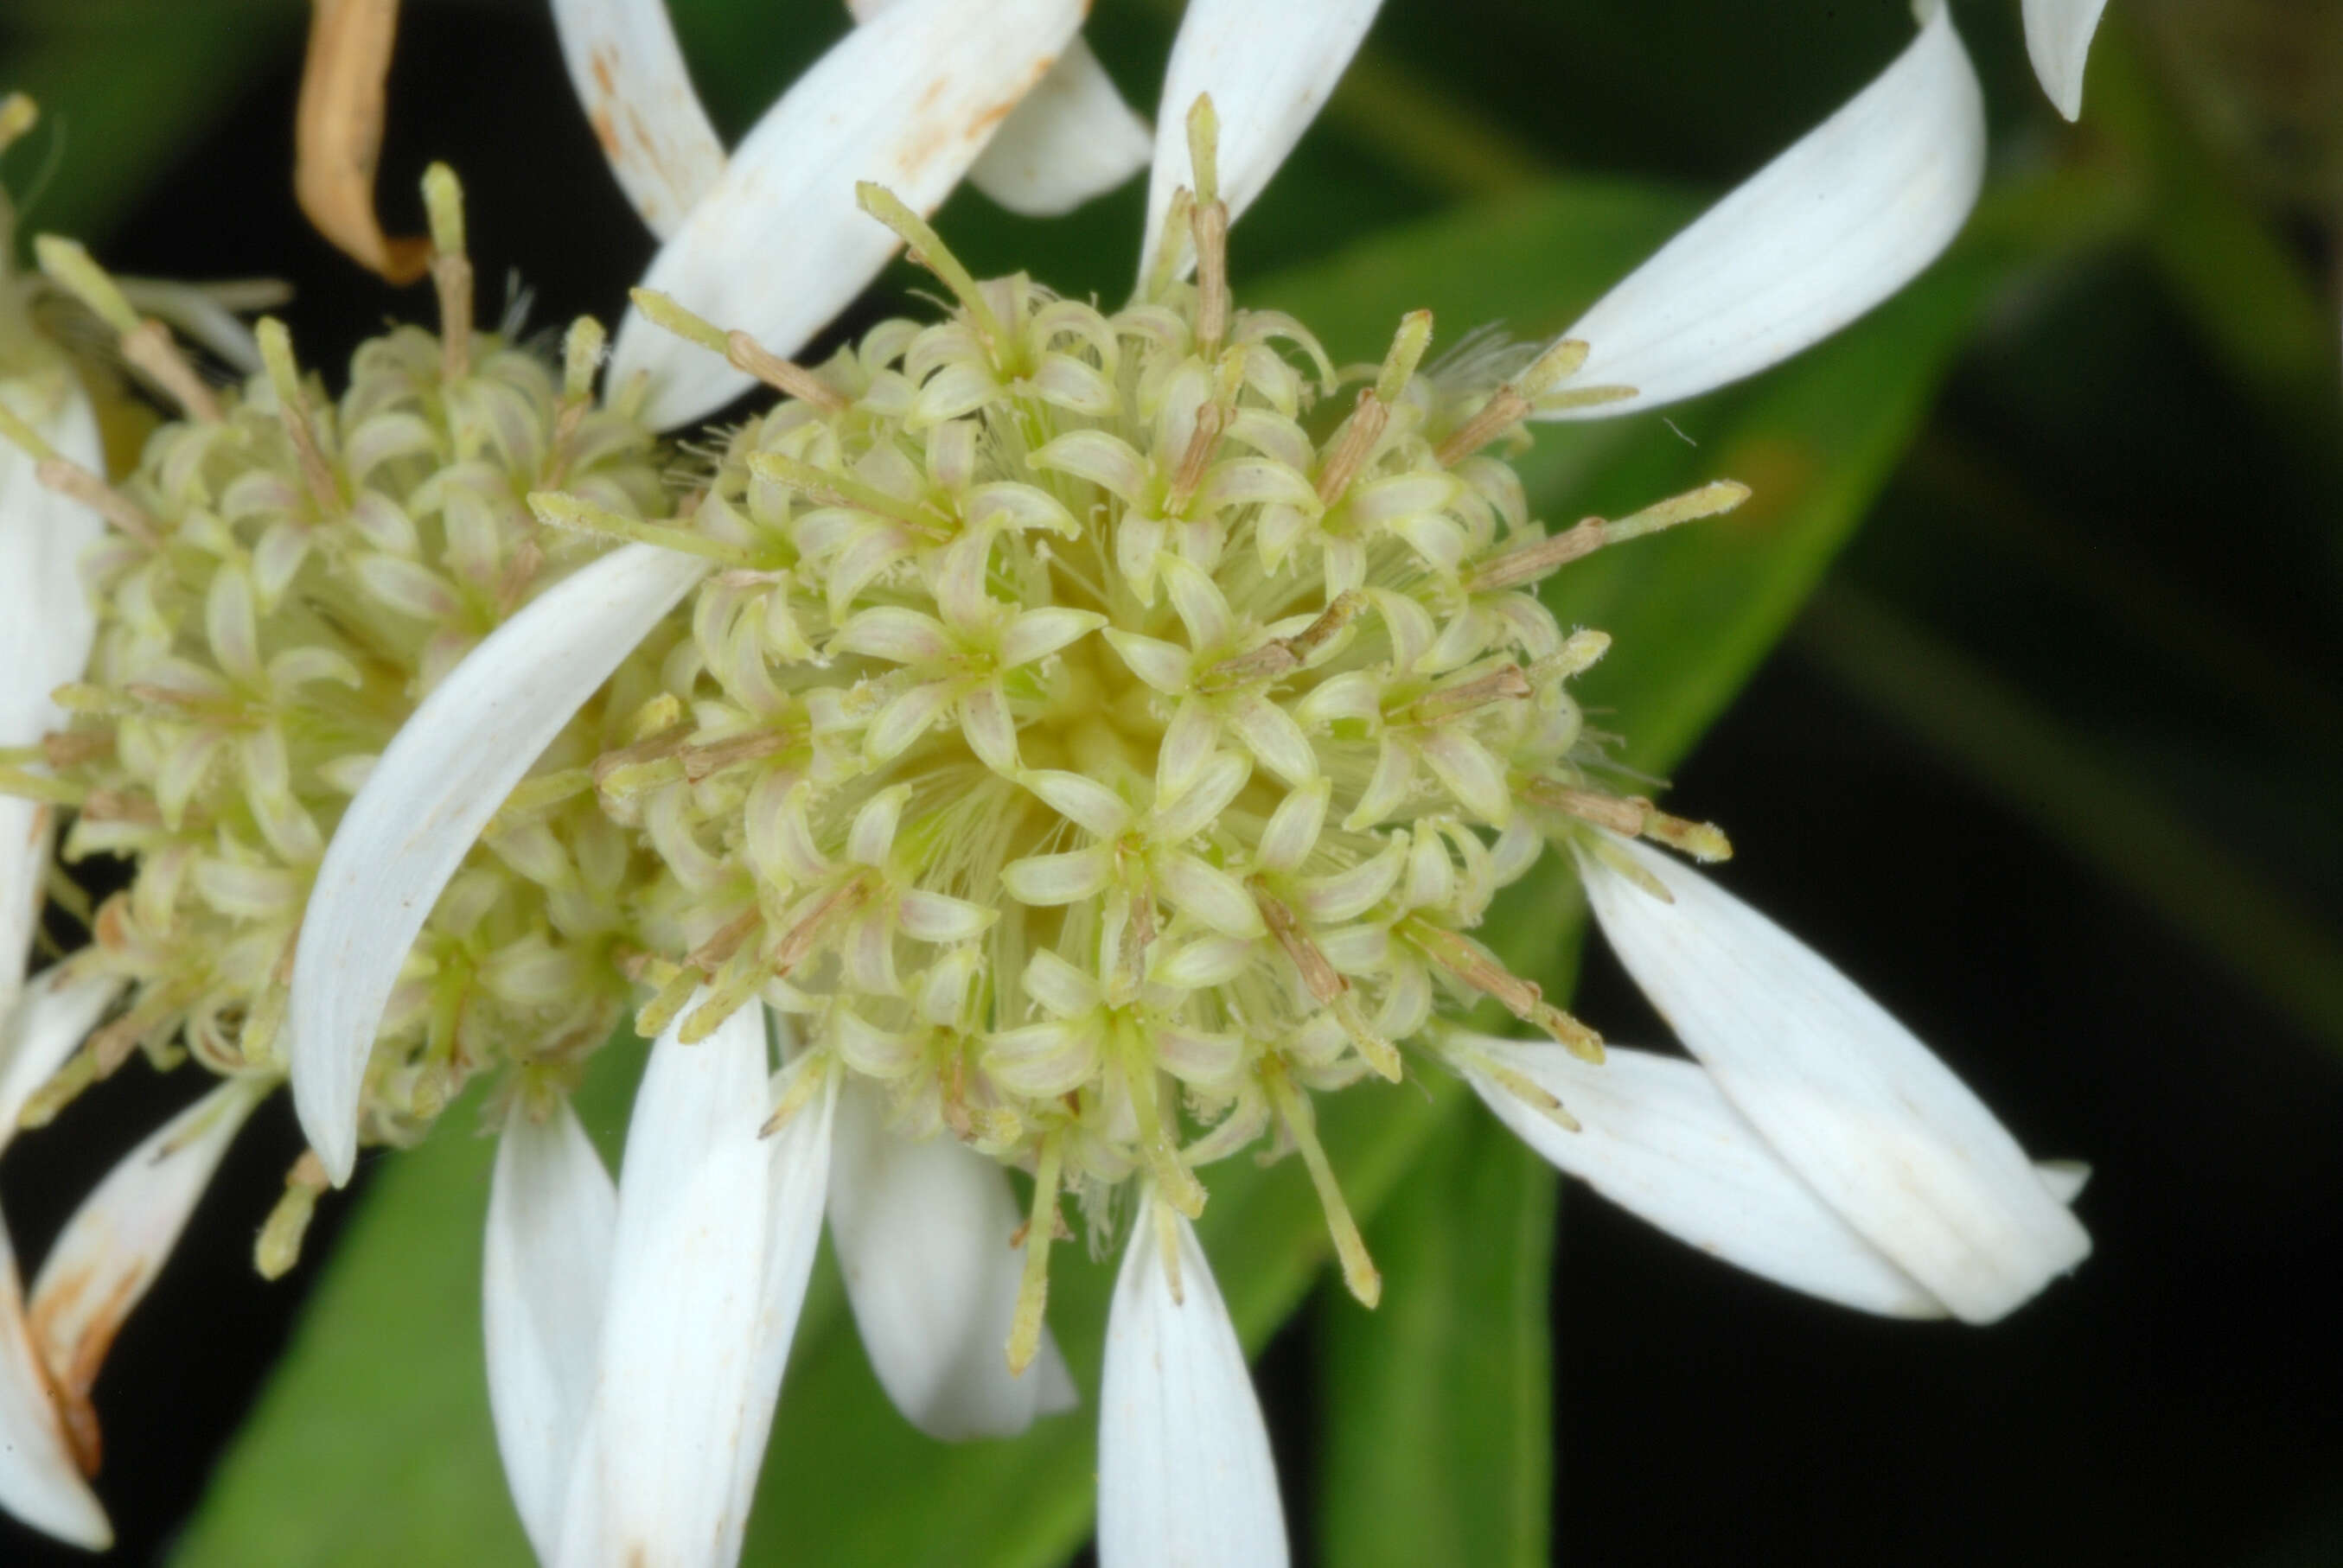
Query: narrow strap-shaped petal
{"points": [[40, 1482], [1657, 1138], [1073, 138], [1814, 239], [441, 780], [779, 246], [544, 1272], [799, 1173], [46, 627], [1185, 1476], [57, 1010], [1881, 1128], [118, 1240], [2059, 39], [1269, 69], [922, 1228], [712, 1220], [630, 78]]}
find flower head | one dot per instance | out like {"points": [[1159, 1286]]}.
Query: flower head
{"points": [[285, 575], [1079, 738]]}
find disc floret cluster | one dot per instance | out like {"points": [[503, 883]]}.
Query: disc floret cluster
{"points": [[1105, 730], [287, 574]]}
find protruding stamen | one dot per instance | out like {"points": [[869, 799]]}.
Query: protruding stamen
{"points": [[799, 941], [451, 270], [705, 761], [278, 1246], [1633, 817], [804, 1078], [1356, 442], [1209, 220], [662, 734], [1352, 446], [825, 489], [927, 250], [727, 993], [783, 376], [293, 407], [665, 312], [581, 356], [1527, 563], [1300, 1121], [70, 268], [67, 477], [1510, 403], [1474, 964], [1172, 246], [713, 952], [1158, 1144], [65, 1085], [740, 350], [1506, 683], [674, 994], [1167, 1246], [1579, 652], [1283, 656], [1522, 1089], [533, 796], [1211, 421], [1408, 344], [145, 342], [1325, 984], [1034, 1284], [18, 115], [557, 510]]}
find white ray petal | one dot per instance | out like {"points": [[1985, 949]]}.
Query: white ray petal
{"points": [[1879, 1127], [922, 1228], [1185, 1475], [98, 1271], [715, 1231], [2065, 1177], [437, 783], [116, 1242], [779, 247], [39, 1482], [58, 1009], [1657, 1138], [46, 627], [798, 1174], [1073, 138], [1814, 239], [1269, 69], [631, 81], [650, 1479], [544, 1272], [2059, 39]]}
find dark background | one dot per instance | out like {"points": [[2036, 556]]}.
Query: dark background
{"points": [[2118, 548]]}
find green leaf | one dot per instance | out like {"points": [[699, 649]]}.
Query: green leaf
{"points": [[123, 88], [373, 1443], [1438, 1419]]}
